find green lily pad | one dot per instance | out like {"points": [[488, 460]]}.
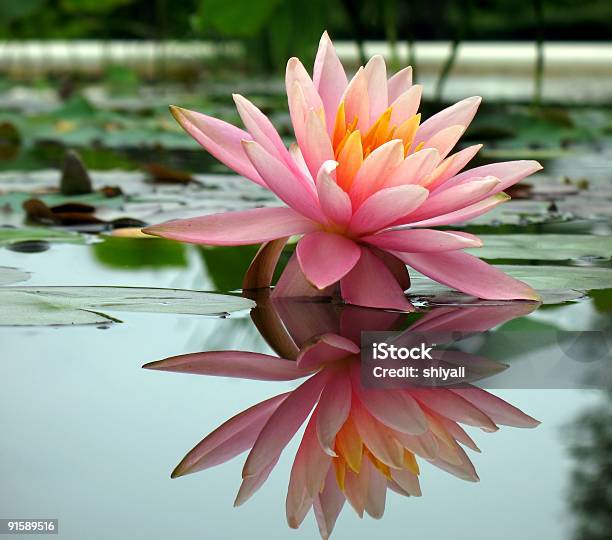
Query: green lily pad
{"points": [[8, 235], [545, 247], [555, 284], [10, 275], [35, 306]]}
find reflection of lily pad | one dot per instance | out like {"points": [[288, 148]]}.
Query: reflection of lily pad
{"points": [[23, 306], [546, 247], [12, 275], [556, 284]]}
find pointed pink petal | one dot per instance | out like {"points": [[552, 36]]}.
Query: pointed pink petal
{"points": [[445, 139], [407, 480], [394, 408], [406, 105], [328, 505], [325, 258], [378, 439], [298, 159], [283, 424], [376, 74], [220, 139], [377, 491], [289, 187], [251, 484], [414, 168], [293, 284], [333, 410], [385, 207], [508, 172], [399, 83], [496, 408], [460, 113], [261, 270], [296, 73], [397, 267], [458, 433], [375, 170], [355, 490], [464, 469], [422, 240], [454, 198], [334, 201], [451, 166], [329, 79], [464, 214], [325, 349], [308, 474], [424, 445], [316, 145], [371, 284], [235, 228], [239, 364], [445, 403], [260, 128], [469, 275], [230, 439], [356, 101]]}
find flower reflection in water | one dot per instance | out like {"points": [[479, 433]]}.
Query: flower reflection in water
{"points": [[358, 442]]}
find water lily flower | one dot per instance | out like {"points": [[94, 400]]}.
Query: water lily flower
{"points": [[358, 442], [365, 185]]}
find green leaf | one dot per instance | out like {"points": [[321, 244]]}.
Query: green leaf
{"points": [[545, 247], [238, 18], [27, 306], [140, 253]]}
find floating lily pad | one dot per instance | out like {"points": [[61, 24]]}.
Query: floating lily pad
{"points": [[10, 275], [546, 247], [8, 235], [35, 306], [555, 284]]}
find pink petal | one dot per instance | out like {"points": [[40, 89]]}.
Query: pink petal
{"points": [[371, 284], [236, 228], [316, 145], [464, 469], [325, 258], [464, 214], [451, 166], [356, 101], [397, 267], [261, 270], [260, 128], [406, 105], [329, 79], [334, 201], [469, 275], [290, 188], [496, 408], [220, 139], [379, 440], [230, 439], [377, 491], [414, 168], [355, 490], [454, 198], [293, 284], [328, 505], [375, 72], [508, 172], [251, 484], [375, 170], [399, 83], [283, 424], [445, 403], [422, 240], [407, 480], [296, 73], [385, 207], [333, 410], [298, 159], [240, 364], [460, 113], [445, 139], [325, 349]]}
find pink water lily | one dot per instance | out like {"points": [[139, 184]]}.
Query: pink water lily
{"points": [[364, 185], [358, 442]]}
